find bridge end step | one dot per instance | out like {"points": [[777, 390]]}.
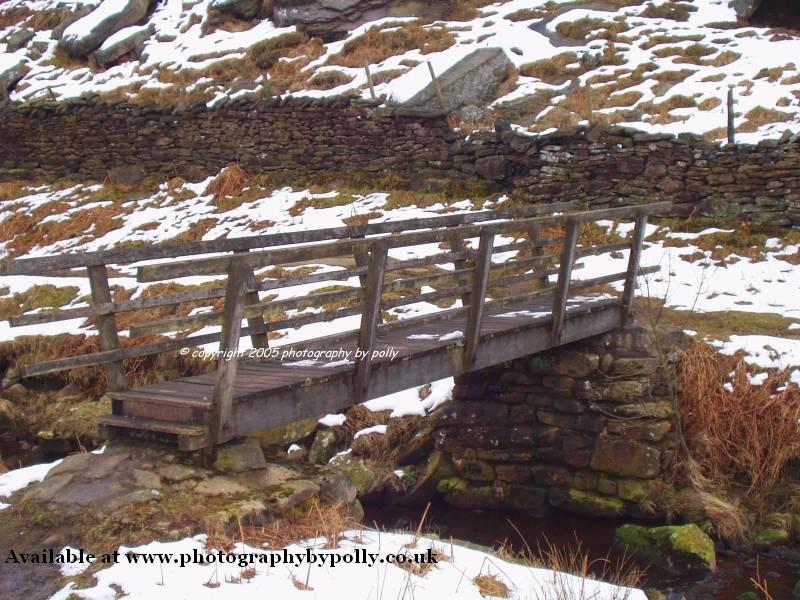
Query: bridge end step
{"points": [[189, 437]]}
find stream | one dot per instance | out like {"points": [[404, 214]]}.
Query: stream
{"points": [[493, 529]]}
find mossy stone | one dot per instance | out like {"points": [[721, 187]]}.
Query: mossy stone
{"points": [[584, 503], [770, 536], [672, 547]]}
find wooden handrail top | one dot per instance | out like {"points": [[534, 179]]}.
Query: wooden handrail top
{"points": [[44, 264], [306, 252]]}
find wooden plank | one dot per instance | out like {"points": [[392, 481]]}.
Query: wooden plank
{"points": [[151, 425], [39, 265], [106, 326], [564, 276], [472, 333], [217, 265], [219, 424], [370, 317], [633, 265]]}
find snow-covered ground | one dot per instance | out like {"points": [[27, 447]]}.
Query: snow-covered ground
{"points": [[664, 51]]}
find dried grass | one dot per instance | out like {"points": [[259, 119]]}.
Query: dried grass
{"points": [[229, 183], [741, 436], [491, 585], [311, 521], [376, 45], [574, 559]]}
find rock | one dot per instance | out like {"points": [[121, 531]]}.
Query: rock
{"points": [[244, 9], [18, 39], [627, 458], [796, 590], [12, 377], [290, 433], [292, 494], [491, 167], [8, 414], [16, 393], [336, 487], [769, 537], [77, 463], [365, 478], [744, 9], [323, 448], [437, 468], [219, 486], [247, 512], [88, 33], [179, 473], [673, 547], [102, 465], [471, 113], [473, 79], [585, 503], [297, 454], [11, 73], [125, 41], [331, 17], [49, 487], [126, 175], [270, 476], [147, 479], [240, 457]]}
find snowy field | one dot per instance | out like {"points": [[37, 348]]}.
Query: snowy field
{"points": [[659, 66]]}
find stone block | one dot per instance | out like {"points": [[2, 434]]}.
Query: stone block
{"points": [[626, 458]]}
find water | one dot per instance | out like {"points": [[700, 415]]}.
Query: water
{"points": [[493, 529]]}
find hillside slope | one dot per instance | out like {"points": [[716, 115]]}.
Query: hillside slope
{"points": [[660, 66]]}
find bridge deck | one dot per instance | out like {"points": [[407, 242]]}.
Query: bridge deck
{"points": [[270, 392]]}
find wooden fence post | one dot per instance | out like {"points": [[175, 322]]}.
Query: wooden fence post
{"points": [[480, 283], [369, 80], [564, 275], [590, 116], [633, 265], [106, 326], [436, 86], [731, 125], [222, 408], [370, 316]]}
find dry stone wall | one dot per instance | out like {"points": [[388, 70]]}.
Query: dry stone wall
{"points": [[587, 428], [89, 138], [599, 166], [612, 165]]}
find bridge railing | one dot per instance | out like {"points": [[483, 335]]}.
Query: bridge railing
{"points": [[386, 283]]}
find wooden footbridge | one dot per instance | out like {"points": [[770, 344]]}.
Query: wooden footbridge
{"points": [[497, 263]]}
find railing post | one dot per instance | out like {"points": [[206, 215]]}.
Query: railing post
{"points": [[370, 317], [480, 283], [564, 275], [106, 325], [239, 274], [633, 265], [258, 340], [458, 245], [534, 237], [731, 116]]}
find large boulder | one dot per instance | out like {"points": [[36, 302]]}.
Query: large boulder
{"points": [[18, 39], [88, 33], [745, 8], [471, 79], [333, 17], [125, 41], [675, 547], [12, 69], [244, 9]]}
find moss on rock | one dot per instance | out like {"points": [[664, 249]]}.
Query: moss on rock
{"points": [[672, 547]]}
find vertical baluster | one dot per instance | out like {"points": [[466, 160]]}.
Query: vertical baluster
{"points": [[370, 317], [535, 237], [564, 275], [633, 265], [480, 284]]}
